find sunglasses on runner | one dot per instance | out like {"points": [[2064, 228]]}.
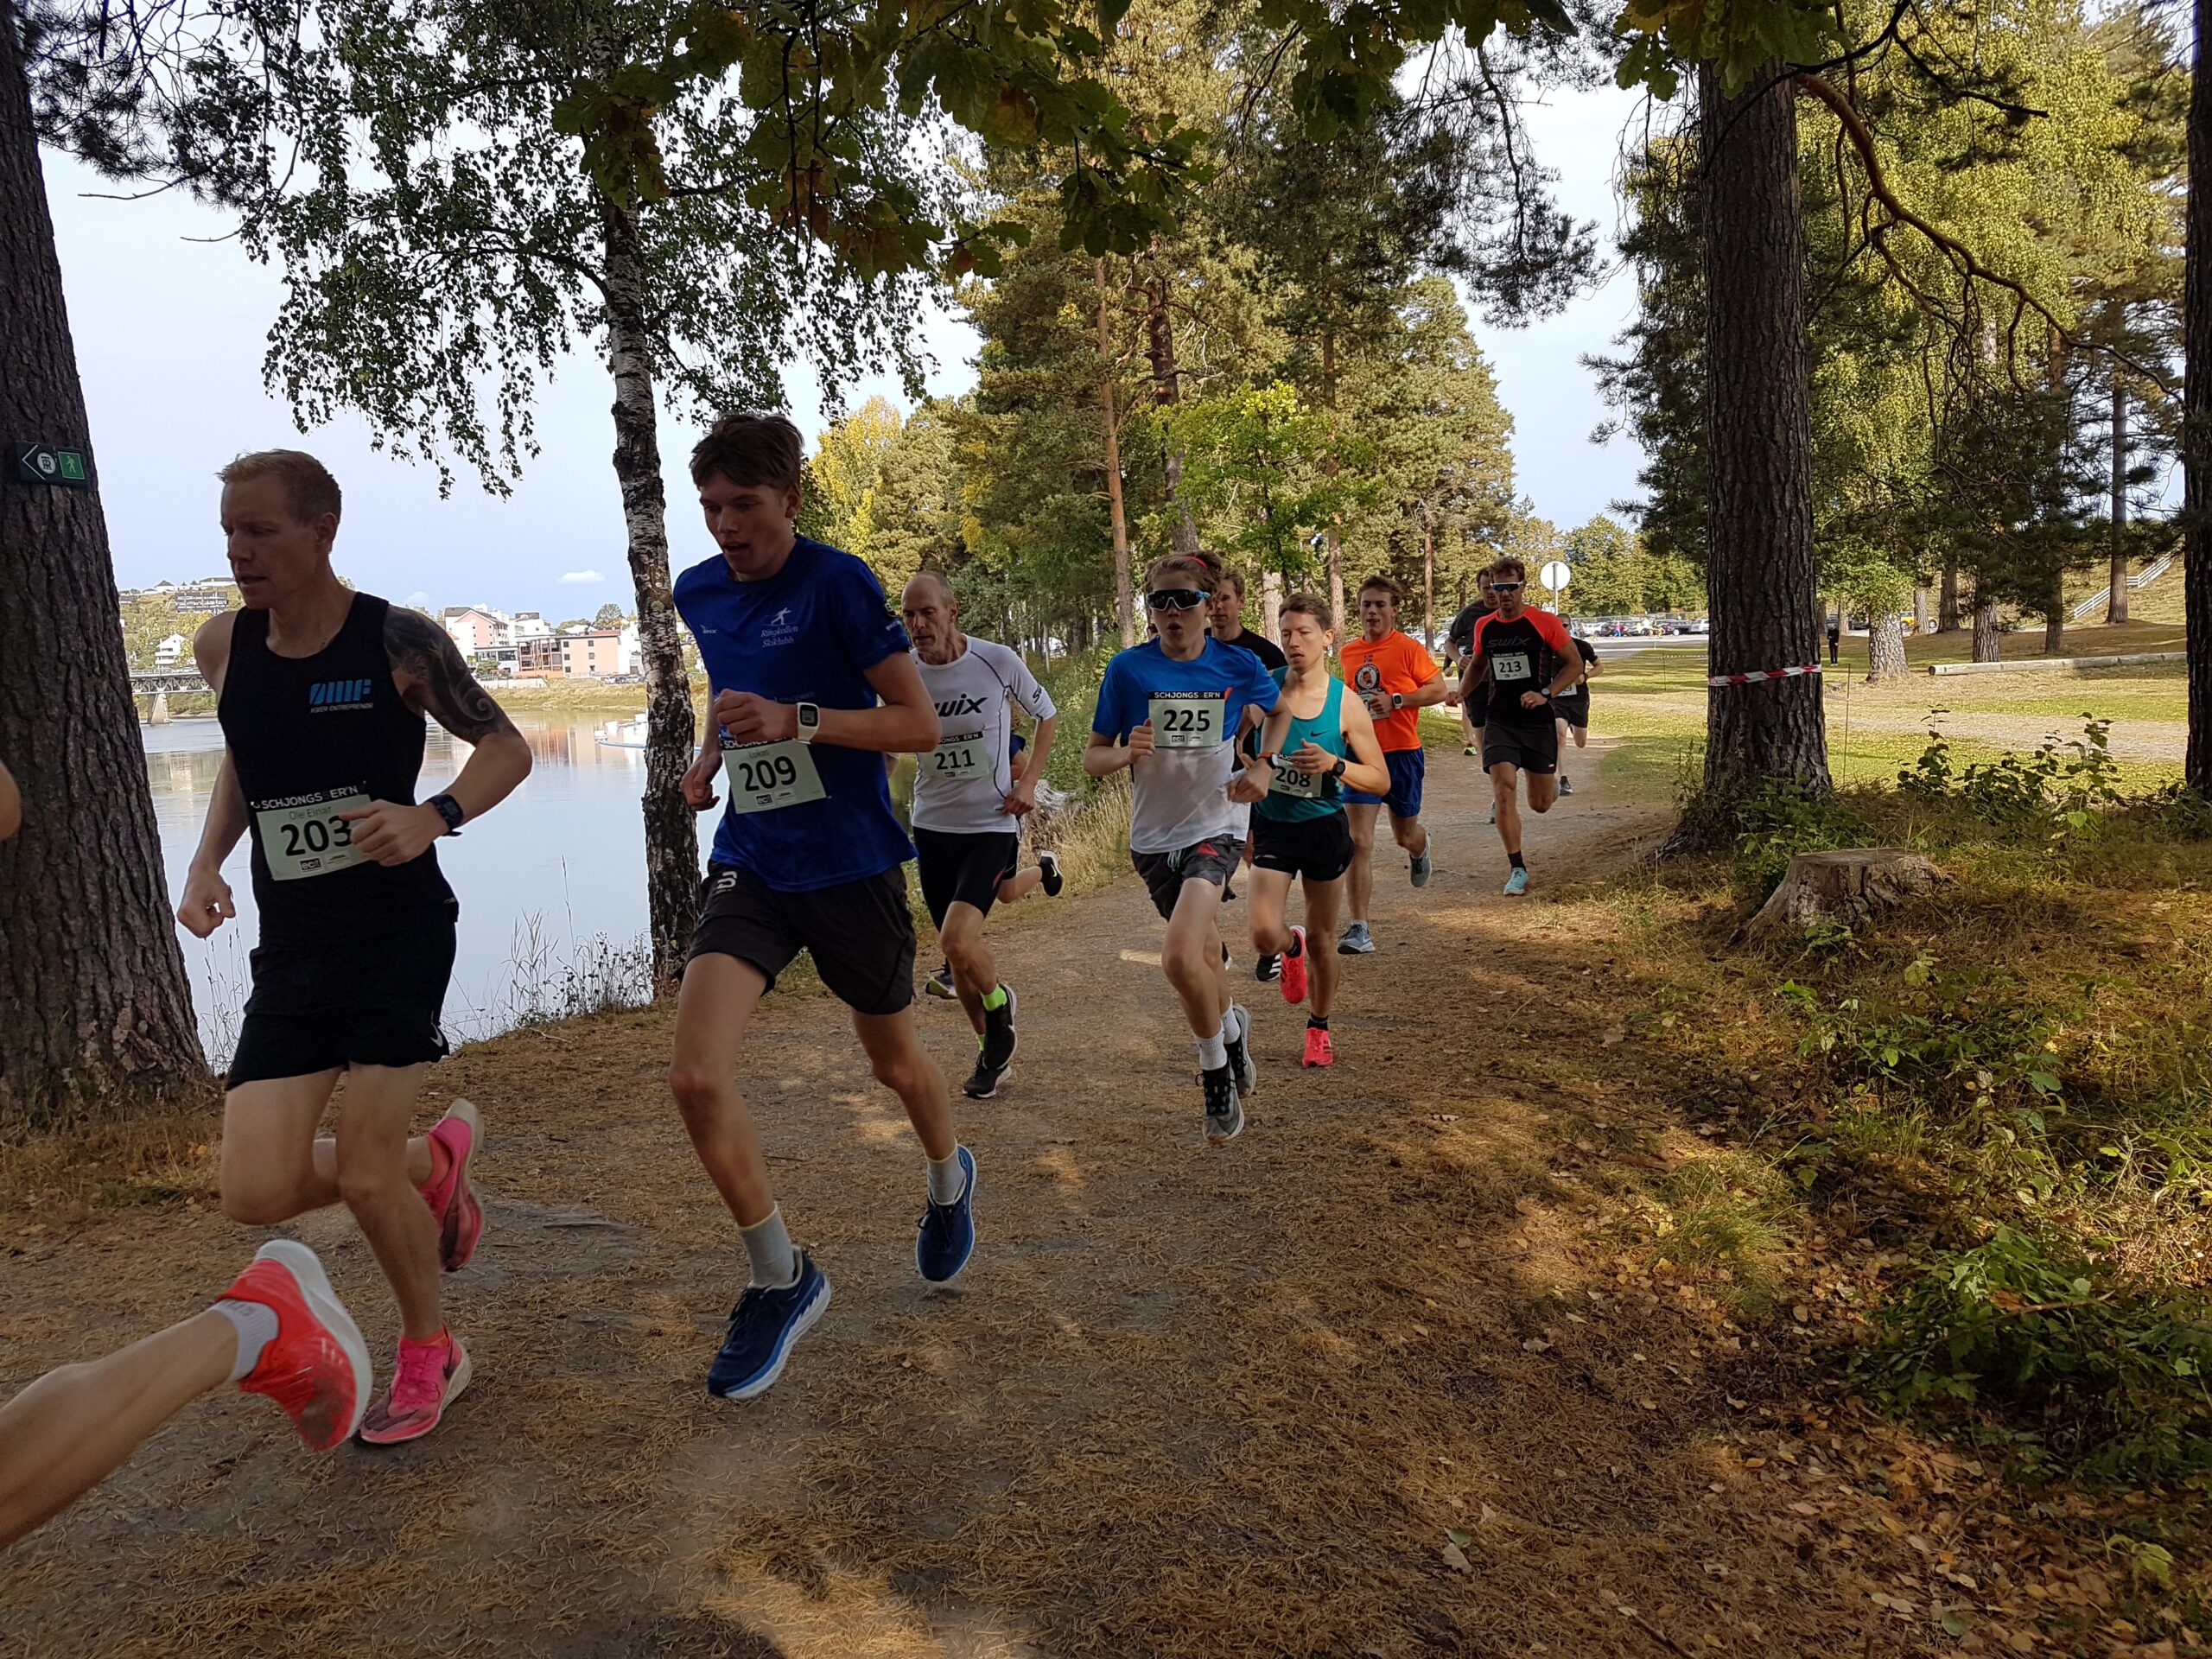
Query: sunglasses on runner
{"points": [[1177, 598], [1505, 587]]}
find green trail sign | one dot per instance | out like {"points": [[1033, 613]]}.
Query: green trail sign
{"points": [[48, 463]]}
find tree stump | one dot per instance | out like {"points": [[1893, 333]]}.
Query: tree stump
{"points": [[1850, 886]]}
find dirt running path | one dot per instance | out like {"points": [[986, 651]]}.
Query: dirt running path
{"points": [[1187, 1401]]}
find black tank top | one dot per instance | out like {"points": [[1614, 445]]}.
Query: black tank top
{"points": [[311, 737]]}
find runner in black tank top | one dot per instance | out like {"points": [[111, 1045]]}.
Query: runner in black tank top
{"points": [[310, 737], [322, 693]]}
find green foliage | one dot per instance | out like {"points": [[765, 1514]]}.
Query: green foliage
{"points": [[1255, 474], [1775, 824], [2058, 789], [2104, 1375]]}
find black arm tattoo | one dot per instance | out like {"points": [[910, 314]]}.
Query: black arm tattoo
{"points": [[423, 654]]}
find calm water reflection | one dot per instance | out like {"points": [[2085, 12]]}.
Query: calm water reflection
{"points": [[551, 881]]}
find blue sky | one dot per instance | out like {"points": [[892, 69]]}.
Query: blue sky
{"points": [[170, 323]]}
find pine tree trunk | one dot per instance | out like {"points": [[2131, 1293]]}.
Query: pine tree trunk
{"points": [[671, 827], [95, 1011], [1336, 553], [1920, 610], [1166, 393], [2054, 618], [1885, 647], [1428, 582], [1759, 569], [2116, 605], [1271, 604], [1124, 595], [1988, 644], [1947, 607], [2197, 411]]}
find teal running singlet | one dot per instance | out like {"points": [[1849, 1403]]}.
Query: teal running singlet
{"points": [[1295, 795]]}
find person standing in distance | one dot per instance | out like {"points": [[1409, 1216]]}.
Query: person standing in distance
{"points": [[322, 692], [1171, 711], [1572, 706], [1396, 679], [1317, 743], [1514, 648], [969, 804], [813, 686]]}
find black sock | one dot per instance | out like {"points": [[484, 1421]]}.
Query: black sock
{"points": [[1296, 948], [1317, 1022], [1517, 864]]}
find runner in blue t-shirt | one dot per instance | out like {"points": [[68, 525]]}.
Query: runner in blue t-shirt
{"points": [[1171, 710], [813, 687]]}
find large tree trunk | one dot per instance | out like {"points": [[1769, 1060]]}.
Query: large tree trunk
{"points": [[2116, 605], [1428, 582], [1271, 604], [2054, 618], [1988, 644], [1885, 647], [2197, 411], [1759, 567], [1946, 605], [1920, 610], [671, 827], [95, 1011], [1329, 466], [1124, 595], [1166, 393]]}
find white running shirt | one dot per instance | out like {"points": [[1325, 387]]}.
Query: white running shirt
{"points": [[960, 786]]}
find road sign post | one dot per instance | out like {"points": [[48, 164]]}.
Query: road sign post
{"points": [[1555, 576]]}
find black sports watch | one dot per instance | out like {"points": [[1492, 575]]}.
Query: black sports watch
{"points": [[449, 810], [1338, 770]]}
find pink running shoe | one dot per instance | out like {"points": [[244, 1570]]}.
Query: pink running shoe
{"points": [[430, 1375], [316, 1366], [452, 1200], [1294, 970], [1319, 1051]]}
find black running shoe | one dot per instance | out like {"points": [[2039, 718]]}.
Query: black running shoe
{"points": [[983, 1082], [1240, 1052], [940, 982], [1224, 1111], [1268, 970], [998, 1041], [1054, 882]]}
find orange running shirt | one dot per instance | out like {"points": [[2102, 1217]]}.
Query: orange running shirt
{"points": [[1398, 664]]}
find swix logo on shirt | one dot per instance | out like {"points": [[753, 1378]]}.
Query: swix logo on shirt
{"points": [[953, 705], [329, 695]]}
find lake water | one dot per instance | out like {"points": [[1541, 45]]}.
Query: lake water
{"points": [[552, 884]]}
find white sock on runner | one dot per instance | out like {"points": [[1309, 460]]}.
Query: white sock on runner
{"points": [[947, 1179], [256, 1323], [1213, 1051], [769, 1248]]}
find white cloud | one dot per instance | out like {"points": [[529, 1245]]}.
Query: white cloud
{"points": [[582, 575]]}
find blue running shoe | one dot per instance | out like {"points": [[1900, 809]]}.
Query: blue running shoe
{"points": [[762, 1328], [1516, 884], [947, 1235]]}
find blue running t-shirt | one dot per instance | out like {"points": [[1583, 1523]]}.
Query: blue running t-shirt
{"points": [[809, 634], [1180, 793]]}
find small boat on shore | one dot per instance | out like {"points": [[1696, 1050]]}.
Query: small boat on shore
{"points": [[621, 734]]}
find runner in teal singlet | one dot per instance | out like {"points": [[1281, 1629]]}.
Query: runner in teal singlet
{"points": [[1316, 743]]}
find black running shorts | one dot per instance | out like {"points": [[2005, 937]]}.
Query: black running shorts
{"points": [[361, 998], [1532, 748], [1574, 710], [1214, 860], [1316, 848], [964, 870], [860, 933]]}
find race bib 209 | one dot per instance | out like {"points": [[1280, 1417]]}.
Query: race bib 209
{"points": [[768, 776]]}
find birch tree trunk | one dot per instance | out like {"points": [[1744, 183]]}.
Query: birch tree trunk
{"points": [[1124, 596], [671, 829], [2116, 604], [95, 1013], [1759, 567]]}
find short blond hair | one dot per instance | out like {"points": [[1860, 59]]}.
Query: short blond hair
{"points": [[1179, 567], [308, 486]]}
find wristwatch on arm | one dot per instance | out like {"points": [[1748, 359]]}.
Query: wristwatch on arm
{"points": [[449, 810], [809, 722]]}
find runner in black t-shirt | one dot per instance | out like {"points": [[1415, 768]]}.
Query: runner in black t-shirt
{"points": [[1515, 647], [1572, 706], [1225, 613], [1459, 644]]}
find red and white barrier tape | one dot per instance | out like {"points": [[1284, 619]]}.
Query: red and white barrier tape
{"points": [[1763, 674]]}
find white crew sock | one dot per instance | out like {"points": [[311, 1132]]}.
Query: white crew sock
{"points": [[947, 1179], [1213, 1051], [256, 1323], [775, 1260]]}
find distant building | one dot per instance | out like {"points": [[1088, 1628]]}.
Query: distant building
{"points": [[541, 656], [595, 653], [529, 624], [171, 650], [475, 628]]}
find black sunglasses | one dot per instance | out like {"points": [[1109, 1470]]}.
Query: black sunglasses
{"points": [[1177, 598]]}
